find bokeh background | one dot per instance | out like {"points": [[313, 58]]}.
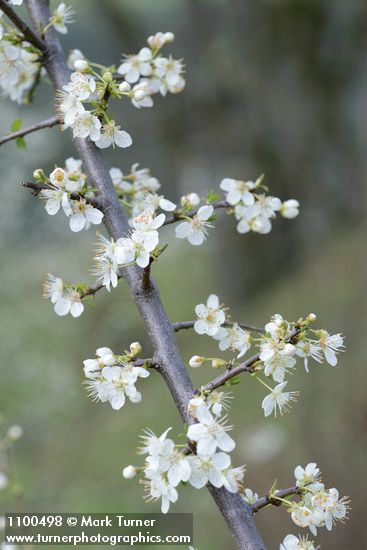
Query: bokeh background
{"points": [[274, 86]]}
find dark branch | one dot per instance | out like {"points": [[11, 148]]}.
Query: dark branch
{"points": [[26, 31], [177, 216], [48, 123], [274, 498], [246, 366], [38, 187], [183, 325]]}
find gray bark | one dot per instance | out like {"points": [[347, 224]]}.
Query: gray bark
{"points": [[235, 511]]}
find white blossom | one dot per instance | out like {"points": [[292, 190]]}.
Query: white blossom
{"points": [[292, 542], [195, 228], [333, 508], [190, 201], [278, 399], [249, 496], [330, 345], [233, 479], [62, 16], [105, 358], [129, 472], [85, 125], [112, 135], [69, 302], [289, 209], [158, 487], [83, 215], [210, 433], [236, 339], [73, 56], [309, 476], [135, 66], [307, 349], [160, 39], [80, 86], [208, 468], [238, 191], [53, 288], [210, 316]]}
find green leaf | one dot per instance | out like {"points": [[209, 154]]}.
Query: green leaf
{"points": [[234, 381], [212, 196], [21, 143], [17, 124]]}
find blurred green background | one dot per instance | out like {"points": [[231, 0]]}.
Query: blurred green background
{"points": [[274, 86]]}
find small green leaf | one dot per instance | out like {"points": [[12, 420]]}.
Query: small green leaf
{"points": [[17, 124], [234, 381], [21, 143], [212, 196]]}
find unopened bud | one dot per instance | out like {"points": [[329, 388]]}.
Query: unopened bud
{"points": [[81, 65], [218, 363], [196, 361], [124, 87], [107, 76], [109, 360], [139, 94], [289, 349], [129, 472], [311, 318], [169, 37], [39, 175], [135, 349]]}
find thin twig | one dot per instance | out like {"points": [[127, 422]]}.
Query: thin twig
{"points": [[38, 187], [26, 31], [183, 325], [246, 366], [48, 123], [177, 216], [274, 499]]}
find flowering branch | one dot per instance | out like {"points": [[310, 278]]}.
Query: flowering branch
{"points": [[184, 325], [236, 512], [38, 187], [48, 123], [275, 498], [177, 216], [27, 32], [246, 366]]}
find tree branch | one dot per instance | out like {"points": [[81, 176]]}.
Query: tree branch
{"points": [[184, 325], [26, 31], [274, 498], [38, 187], [246, 366], [235, 511], [48, 123], [177, 216]]}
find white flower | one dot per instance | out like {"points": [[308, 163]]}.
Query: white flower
{"points": [[236, 339], [75, 178], [249, 496], [106, 272], [62, 16], [210, 433], [330, 344], [137, 248], [112, 135], [148, 222], [160, 39], [159, 487], [217, 402], [305, 517], [152, 445], [69, 302], [105, 358], [251, 220], [237, 191], [70, 107], [278, 358], [308, 349], [84, 214], [56, 196], [289, 209], [309, 476], [53, 288], [117, 383], [210, 316], [296, 543], [233, 479], [141, 95], [4, 482], [10, 65], [169, 72], [278, 399], [85, 125], [208, 469], [195, 228], [80, 86], [267, 206], [136, 65], [174, 464], [152, 201], [333, 508]]}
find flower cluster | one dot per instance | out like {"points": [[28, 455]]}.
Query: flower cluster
{"points": [[66, 188], [278, 346], [317, 506], [151, 73], [167, 464], [254, 209], [66, 298], [137, 247], [19, 66], [84, 100], [112, 377]]}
